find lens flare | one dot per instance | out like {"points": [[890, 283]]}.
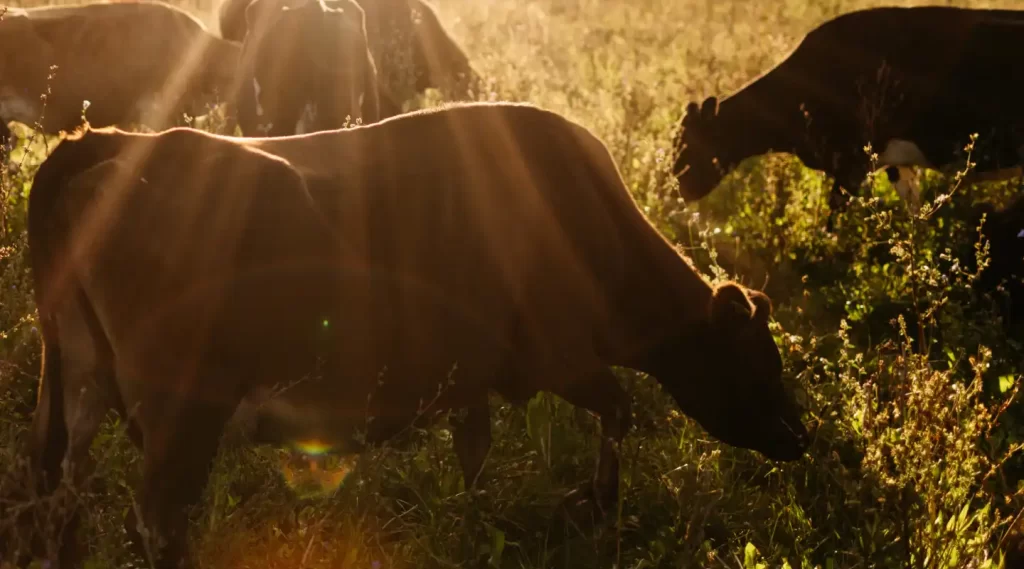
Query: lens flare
{"points": [[311, 469], [312, 447]]}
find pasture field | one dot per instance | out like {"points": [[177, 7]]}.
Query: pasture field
{"points": [[910, 383]]}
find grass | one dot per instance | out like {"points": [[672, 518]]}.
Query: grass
{"points": [[909, 381]]}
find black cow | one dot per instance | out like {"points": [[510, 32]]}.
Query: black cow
{"points": [[915, 83], [177, 273]]}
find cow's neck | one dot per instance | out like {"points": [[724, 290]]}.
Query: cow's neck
{"points": [[662, 297], [754, 123]]}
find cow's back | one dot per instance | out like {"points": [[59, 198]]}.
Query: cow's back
{"points": [[872, 75], [507, 225], [926, 52]]}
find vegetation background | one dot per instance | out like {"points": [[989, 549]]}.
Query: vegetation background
{"points": [[908, 376]]}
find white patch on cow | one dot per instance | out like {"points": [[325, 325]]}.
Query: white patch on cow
{"points": [[909, 187], [256, 91], [905, 156], [306, 120], [899, 152]]}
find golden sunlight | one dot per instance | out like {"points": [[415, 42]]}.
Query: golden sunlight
{"points": [[310, 469]]}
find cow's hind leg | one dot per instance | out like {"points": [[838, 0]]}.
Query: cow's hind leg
{"points": [[601, 394], [180, 438], [85, 407], [48, 437], [73, 401]]}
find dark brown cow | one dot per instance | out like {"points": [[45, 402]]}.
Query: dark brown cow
{"points": [[430, 258], [1004, 230], [305, 68], [134, 62], [411, 48], [912, 82]]}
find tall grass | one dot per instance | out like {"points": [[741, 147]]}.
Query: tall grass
{"points": [[909, 380]]}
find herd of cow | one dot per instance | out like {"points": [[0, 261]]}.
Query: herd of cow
{"points": [[393, 271], [278, 68]]}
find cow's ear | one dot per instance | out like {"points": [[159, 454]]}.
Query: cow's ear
{"points": [[692, 114], [762, 306], [710, 108], [730, 306]]}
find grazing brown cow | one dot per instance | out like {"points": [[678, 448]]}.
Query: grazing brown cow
{"points": [[134, 62], [411, 48], [305, 68], [914, 83], [429, 258]]}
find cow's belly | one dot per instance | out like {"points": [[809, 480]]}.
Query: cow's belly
{"points": [[19, 107], [420, 357]]}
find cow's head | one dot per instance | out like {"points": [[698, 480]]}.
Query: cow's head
{"points": [[440, 62], [416, 52], [701, 161], [726, 373], [307, 66]]}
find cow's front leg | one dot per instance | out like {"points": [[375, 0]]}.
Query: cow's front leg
{"points": [[472, 440], [837, 202], [601, 394]]}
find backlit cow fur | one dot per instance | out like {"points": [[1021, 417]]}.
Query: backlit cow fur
{"points": [[128, 62], [914, 83], [402, 269]]}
